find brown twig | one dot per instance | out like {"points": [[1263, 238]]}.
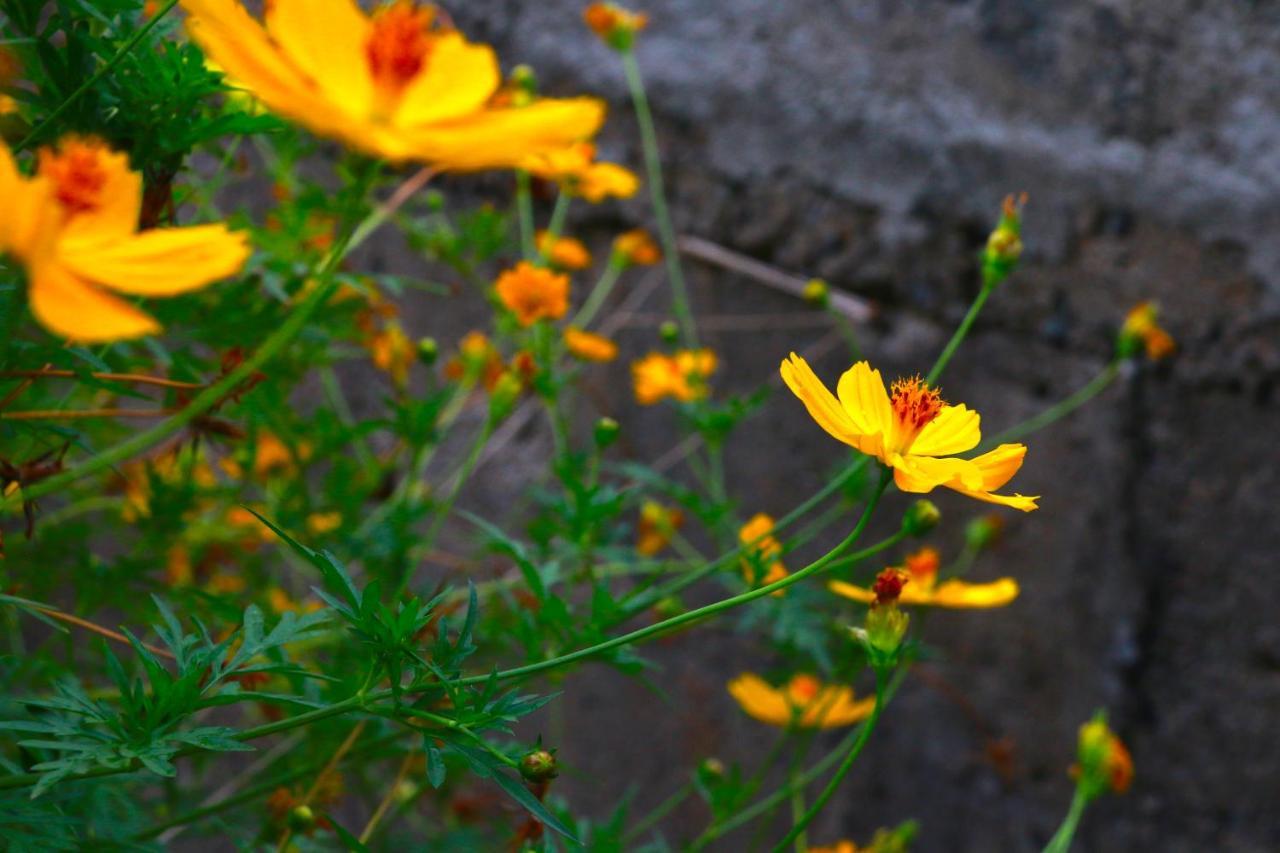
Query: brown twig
{"points": [[381, 811], [76, 414], [324, 774], [97, 629], [136, 378]]}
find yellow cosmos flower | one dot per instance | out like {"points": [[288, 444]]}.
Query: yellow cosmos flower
{"points": [[681, 376], [844, 846], [395, 83], [565, 253], [636, 248], [533, 293], [763, 553], [922, 587], [1141, 331], [588, 346], [656, 527], [576, 170], [910, 430], [804, 702], [74, 226]]}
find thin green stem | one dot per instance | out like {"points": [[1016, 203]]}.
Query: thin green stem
{"points": [[524, 213], [454, 725], [961, 332], [864, 734], [660, 811], [556, 225], [92, 80], [1061, 841], [1059, 410], [653, 169], [599, 294], [797, 805]]}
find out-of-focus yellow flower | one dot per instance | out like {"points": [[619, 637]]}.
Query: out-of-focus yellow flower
{"points": [[281, 602], [533, 293], [762, 554], [565, 253], [1141, 332], [478, 357], [74, 226], [680, 376], [8, 106], [396, 83], [575, 169], [177, 567], [615, 25], [320, 523], [273, 456], [1104, 761], [588, 346], [844, 846], [392, 352], [224, 583], [908, 431], [636, 248], [135, 481], [656, 527], [922, 587], [804, 702]]}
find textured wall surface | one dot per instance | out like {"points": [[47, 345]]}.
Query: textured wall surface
{"points": [[870, 142]]}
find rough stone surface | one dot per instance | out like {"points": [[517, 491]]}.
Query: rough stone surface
{"points": [[870, 143]]}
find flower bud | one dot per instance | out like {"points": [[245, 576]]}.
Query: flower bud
{"points": [[983, 532], [921, 517], [428, 351], [817, 293], [539, 765], [606, 432], [301, 818], [1004, 246], [669, 332], [669, 606], [524, 78], [1104, 762], [615, 25], [886, 625], [506, 391]]}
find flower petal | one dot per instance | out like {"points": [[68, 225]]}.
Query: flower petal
{"points": [[822, 405], [857, 593], [75, 309], [162, 262], [458, 80], [760, 700], [921, 474], [954, 430], [326, 40], [28, 215], [864, 398], [121, 202], [971, 596], [998, 466]]}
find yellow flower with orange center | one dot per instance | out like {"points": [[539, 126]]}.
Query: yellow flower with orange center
{"points": [[74, 226], [578, 173], [910, 430], [533, 293], [565, 253], [804, 702], [656, 527], [680, 376], [589, 346], [1142, 331], [761, 567], [396, 83], [636, 248], [392, 352], [923, 589], [614, 24]]}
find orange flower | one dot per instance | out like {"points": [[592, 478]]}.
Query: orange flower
{"points": [[681, 376], [533, 293], [392, 352], [588, 346], [575, 169], [763, 554], [615, 25], [320, 523], [477, 357], [656, 527], [804, 702], [919, 574], [1141, 331], [74, 227], [636, 248], [565, 253]]}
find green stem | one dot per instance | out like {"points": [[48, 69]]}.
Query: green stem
{"points": [[1059, 410], [864, 734], [524, 212], [797, 805], [960, 334], [454, 725], [599, 294], [125, 50], [556, 225], [1061, 841], [663, 809], [653, 169]]}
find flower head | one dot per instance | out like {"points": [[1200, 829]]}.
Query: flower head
{"points": [[680, 376], [533, 293], [1141, 332], [588, 346], [656, 527], [636, 248], [1104, 762], [564, 253], [760, 565], [578, 173], [1004, 246], [910, 430], [803, 702], [919, 586], [616, 26], [74, 226], [392, 352], [398, 82]]}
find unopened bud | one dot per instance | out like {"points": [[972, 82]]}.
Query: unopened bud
{"points": [[885, 627], [606, 432], [669, 332], [503, 397], [428, 351], [524, 78], [817, 293], [539, 765], [301, 818], [711, 771], [983, 532], [1104, 762], [1004, 246], [669, 607], [921, 517], [406, 790]]}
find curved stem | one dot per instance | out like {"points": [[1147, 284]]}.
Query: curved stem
{"points": [[1061, 409], [599, 294], [961, 332], [1061, 841]]}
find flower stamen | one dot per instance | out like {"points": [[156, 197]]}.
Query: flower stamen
{"points": [[914, 405], [399, 47], [78, 174]]}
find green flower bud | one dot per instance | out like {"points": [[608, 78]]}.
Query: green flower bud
{"points": [[669, 606], [983, 532], [921, 517], [669, 332], [817, 293], [301, 818], [539, 765], [428, 351], [506, 391], [606, 432]]}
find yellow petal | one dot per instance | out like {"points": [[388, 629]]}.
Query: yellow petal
{"points": [[835, 707], [857, 593], [760, 700], [998, 466], [954, 430], [74, 309], [1020, 502], [162, 262], [29, 218], [921, 474], [499, 138], [326, 40], [458, 80], [864, 398], [961, 595], [822, 405]]}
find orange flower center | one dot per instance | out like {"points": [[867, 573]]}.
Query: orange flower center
{"points": [[914, 404], [804, 688], [78, 174], [399, 45], [923, 566]]}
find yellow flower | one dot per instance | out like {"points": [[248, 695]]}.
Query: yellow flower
{"points": [[575, 169], [395, 83], [844, 846], [681, 376], [324, 522], [656, 527], [909, 431], [392, 352], [922, 587], [764, 551], [74, 227], [563, 252], [805, 702], [1142, 331], [1105, 763], [588, 346], [614, 24], [533, 293], [636, 248]]}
